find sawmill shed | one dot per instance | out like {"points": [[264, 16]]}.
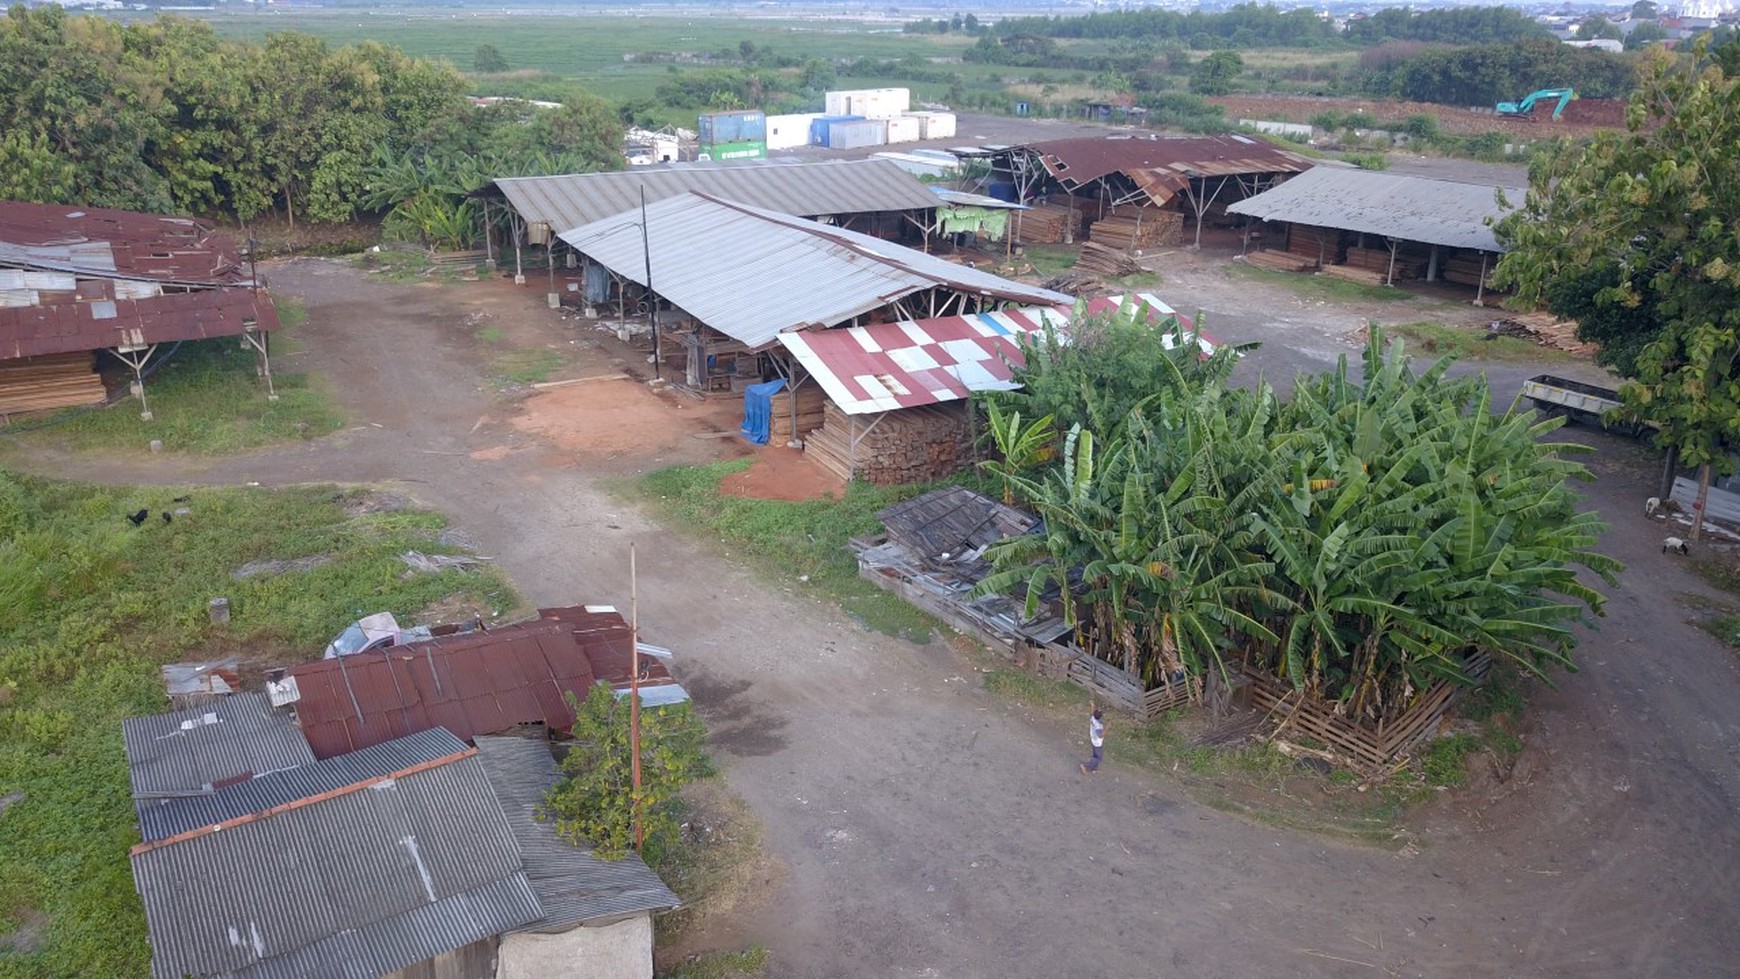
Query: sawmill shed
{"points": [[83, 287], [1379, 228], [731, 278], [1136, 191]]}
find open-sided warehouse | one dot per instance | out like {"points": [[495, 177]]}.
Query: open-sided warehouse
{"points": [[872, 196], [1384, 226], [77, 281], [738, 276], [1136, 191]]}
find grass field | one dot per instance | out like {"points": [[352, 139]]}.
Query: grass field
{"points": [[91, 606]]}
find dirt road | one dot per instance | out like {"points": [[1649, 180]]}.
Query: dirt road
{"points": [[930, 829]]}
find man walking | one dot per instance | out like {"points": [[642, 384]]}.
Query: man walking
{"points": [[1097, 738]]}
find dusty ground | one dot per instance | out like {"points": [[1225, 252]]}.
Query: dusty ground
{"points": [[927, 828], [1581, 118]]}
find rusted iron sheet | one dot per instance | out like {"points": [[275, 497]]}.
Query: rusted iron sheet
{"points": [[474, 683], [1163, 166], [67, 327], [127, 242]]}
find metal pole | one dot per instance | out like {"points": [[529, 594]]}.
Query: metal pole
{"points": [[652, 297], [634, 693]]}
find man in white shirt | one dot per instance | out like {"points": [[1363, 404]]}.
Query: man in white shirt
{"points": [[1097, 738]]}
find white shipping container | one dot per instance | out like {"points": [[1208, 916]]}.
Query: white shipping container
{"points": [[871, 103], [936, 125], [788, 131], [904, 129]]}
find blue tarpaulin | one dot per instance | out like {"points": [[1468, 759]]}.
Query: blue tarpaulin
{"points": [[758, 410]]}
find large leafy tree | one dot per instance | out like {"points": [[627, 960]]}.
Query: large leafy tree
{"points": [[1645, 219]]}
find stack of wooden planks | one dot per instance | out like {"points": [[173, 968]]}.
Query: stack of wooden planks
{"points": [[1047, 224], [909, 445], [1465, 268], [810, 400], [1138, 228], [45, 383], [1408, 266], [1353, 273], [1319, 246], [1104, 263], [1280, 261]]}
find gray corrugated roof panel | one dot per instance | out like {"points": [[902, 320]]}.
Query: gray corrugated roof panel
{"points": [[1437, 212], [809, 190], [573, 886], [172, 817], [968, 199], [186, 752], [753, 274], [414, 865]]}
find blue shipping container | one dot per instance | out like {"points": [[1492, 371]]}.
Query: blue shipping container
{"points": [[819, 127], [853, 135]]}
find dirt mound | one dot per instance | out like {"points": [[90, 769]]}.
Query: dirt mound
{"points": [[1605, 113], [1457, 121]]}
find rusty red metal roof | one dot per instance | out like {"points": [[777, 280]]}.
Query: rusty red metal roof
{"points": [[474, 683], [75, 279], [127, 242], [1161, 166]]}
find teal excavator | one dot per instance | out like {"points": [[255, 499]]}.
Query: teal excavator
{"points": [[1527, 105]]}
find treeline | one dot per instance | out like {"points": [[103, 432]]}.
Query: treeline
{"points": [[163, 115], [1482, 74], [1253, 25]]}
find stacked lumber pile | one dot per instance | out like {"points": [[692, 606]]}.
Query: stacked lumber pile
{"points": [[1138, 228], [1047, 224], [1319, 246], [458, 260], [1464, 269], [1280, 261], [1104, 263], [45, 383], [1545, 329], [1352, 273], [910, 445], [810, 400], [1408, 266]]}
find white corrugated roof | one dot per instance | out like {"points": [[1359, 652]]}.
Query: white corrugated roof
{"points": [[1437, 212], [808, 190], [752, 273]]}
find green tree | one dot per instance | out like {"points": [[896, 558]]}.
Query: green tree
{"points": [[1652, 208], [1646, 33], [1215, 74], [594, 804], [1645, 10], [488, 60], [1598, 28]]}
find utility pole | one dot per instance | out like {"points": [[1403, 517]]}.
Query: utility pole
{"points": [[652, 299]]}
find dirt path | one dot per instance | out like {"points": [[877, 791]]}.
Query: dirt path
{"points": [[930, 829]]}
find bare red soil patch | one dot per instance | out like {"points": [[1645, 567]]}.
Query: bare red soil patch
{"points": [[779, 473]]}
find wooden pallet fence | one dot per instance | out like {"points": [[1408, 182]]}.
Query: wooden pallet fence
{"points": [[1366, 748], [1114, 685], [49, 382]]}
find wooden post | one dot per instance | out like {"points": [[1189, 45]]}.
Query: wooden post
{"points": [[1703, 500], [634, 695]]}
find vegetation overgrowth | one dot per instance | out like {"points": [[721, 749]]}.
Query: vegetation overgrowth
{"points": [[1358, 541], [91, 606]]}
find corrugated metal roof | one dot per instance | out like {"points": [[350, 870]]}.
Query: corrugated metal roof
{"points": [[1161, 166], [752, 274], [888, 366], [572, 885], [807, 190], [961, 198], [188, 751], [471, 684], [74, 279], [1437, 212], [172, 817], [361, 880]]}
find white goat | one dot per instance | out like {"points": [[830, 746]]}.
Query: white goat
{"points": [[1651, 505], [1675, 544]]}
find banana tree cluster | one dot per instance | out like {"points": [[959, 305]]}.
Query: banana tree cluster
{"points": [[1359, 541]]}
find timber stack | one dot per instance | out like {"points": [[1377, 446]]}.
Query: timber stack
{"points": [[1138, 228], [1319, 246], [49, 382], [1466, 271], [1104, 263], [911, 445], [1047, 224], [810, 400], [1407, 266], [1280, 261]]}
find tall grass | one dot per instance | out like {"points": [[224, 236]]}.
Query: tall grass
{"points": [[91, 606]]}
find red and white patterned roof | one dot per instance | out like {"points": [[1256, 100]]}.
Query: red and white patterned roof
{"points": [[886, 366]]}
